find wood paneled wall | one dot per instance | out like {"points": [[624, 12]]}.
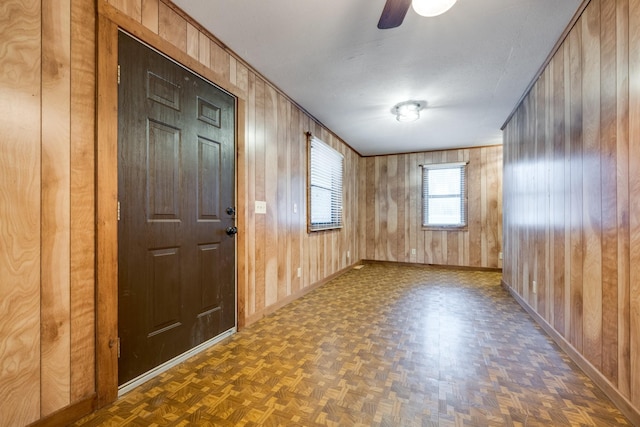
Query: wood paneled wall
{"points": [[572, 194], [391, 209], [47, 87], [48, 192], [272, 162]]}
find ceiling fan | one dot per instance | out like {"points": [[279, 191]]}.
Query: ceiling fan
{"points": [[395, 10]]}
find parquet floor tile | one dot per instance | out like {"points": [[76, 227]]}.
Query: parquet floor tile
{"points": [[381, 346]]}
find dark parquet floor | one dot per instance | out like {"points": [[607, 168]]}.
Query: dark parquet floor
{"points": [[382, 346]]}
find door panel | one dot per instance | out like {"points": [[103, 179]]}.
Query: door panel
{"points": [[176, 177]]}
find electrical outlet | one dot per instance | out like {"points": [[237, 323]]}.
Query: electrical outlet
{"points": [[299, 272], [348, 254], [500, 255], [535, 287], [413, 251], [261, 207], [295, 208]]}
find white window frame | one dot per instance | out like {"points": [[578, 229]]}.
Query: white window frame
{"points": [[461, 194], [325, 186]]}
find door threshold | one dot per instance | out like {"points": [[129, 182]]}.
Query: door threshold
{"points": [[131, 384]]}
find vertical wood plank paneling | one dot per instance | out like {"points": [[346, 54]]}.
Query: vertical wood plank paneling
{"points": [[82, 250], [172, 27], [483, 208], [594, 211], [591, 188], [494, 201], [150, 14], [567, 182], [251, 195], [282, 200], [634, 198], [539, 209], [548, 177], [77, 285], [557, 194], [608, 130], [220, 61], [242, 211], [297, 181], [260, 194], [204, 55], [20, 49], [394, 210], [474, 208], [370, 176], [193, 41], [242, 76], [55, 223], [382, 203], [622, 193], [390, 237], [577, 248], [270, 184], [413, 188], [132, 8]]}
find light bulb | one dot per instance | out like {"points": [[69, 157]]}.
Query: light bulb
{"points": [[431, 8]]}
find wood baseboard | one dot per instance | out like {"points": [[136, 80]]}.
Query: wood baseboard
{"points": [[69, 414], [448, 267], [272, 308], [621, 402]]}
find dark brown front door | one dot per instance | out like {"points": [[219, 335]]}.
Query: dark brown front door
{"points": [[176, 178]]}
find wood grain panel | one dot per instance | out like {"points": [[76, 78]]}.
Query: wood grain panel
{"points": [[622, 193], [260, 220], [282, 200], [557, 214], [393, 210], [608, 131], [204, 53], [150, 15], [250, 176], [82, 251], [20, 81], [593, 219], [220, 61], [171, 26], [591, 186], [132, 8], [55, 223], [634, 198], [193, 41], [78, 277], [270, 182], [577, 246]]}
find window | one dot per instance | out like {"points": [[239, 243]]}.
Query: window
{"points": [[325, 186], [443, 195]]}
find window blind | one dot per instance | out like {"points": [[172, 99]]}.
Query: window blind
{"points": [[325, 186], [444, 195]]}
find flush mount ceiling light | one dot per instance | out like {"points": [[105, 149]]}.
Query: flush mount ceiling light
{"points": [[408, 111], [431, 8]]}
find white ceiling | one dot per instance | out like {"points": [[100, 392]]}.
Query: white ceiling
{"points": [[471, 65]]}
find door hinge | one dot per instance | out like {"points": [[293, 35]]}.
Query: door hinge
{"points": [[118, 210], [118, 347], [118, 73]]}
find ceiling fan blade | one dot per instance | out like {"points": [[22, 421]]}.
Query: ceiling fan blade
{"points": [[393, 13]]}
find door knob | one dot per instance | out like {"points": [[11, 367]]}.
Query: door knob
{"points": [[231, 231], [231, 210]]}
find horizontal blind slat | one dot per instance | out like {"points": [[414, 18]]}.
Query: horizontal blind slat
{"points": [[326, 170]]}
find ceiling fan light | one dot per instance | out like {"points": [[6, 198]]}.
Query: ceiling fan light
{"points": [[430, 8]]}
